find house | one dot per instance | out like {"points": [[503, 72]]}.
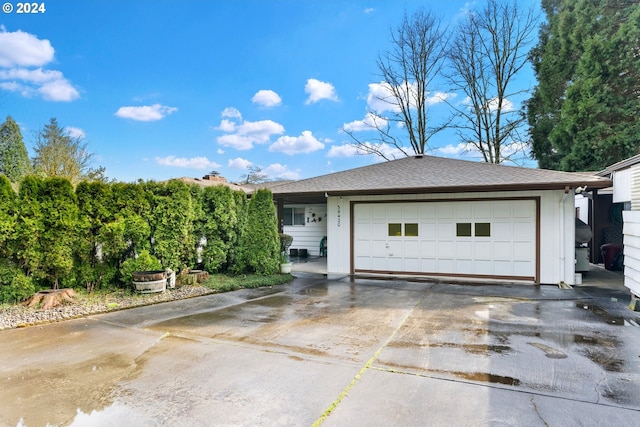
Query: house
{"points": [[625, 200], [432, 216]]}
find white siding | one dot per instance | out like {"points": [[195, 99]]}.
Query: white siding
{"points": [[308, 236], [557, 231], [631, 231], [622, 186]]}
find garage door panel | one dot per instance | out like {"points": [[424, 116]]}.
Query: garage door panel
{"points": [[502, 210], [464, 266], [501, 249], [379, 248], [428, 248], [522, 230], [363, 248], [446, 265], [464, 249], [483, 250], [523, 268], [483, 267], [395, 212], [428, 211], [504, 247], [378, 211], [522, 250], [428, 229], [412, 264], [446, 230], [482, 210], [464, 211], [395, 264], [502, 268], [412, 249], [428, 264], [445, 249], [445, 211], [501, 230]]}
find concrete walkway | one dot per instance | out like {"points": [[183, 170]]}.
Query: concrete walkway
{"points": [[345, 352]]}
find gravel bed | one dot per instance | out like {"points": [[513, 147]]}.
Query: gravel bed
{"points": [[16, 316]]}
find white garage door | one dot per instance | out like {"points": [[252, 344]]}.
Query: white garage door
{"points": [[470, 238]]}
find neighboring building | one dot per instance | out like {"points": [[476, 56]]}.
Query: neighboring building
{"points": [[626, 196], [212, 180], [433, 216]]}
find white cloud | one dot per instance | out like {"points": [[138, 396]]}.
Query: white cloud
{"points": [[305, 143], [220, 151], [454, 150], [370, 122], [226, 125], [276, 170], [75, 132], [248, 133], [20, 49], [266, 98], [318, 90], [381, 96], [506, 105], [183, 162], [369, 10], [349, 150], [239, 163], [19, 52], [50, 84], [58, 90], [145, 113], [232, 113]]}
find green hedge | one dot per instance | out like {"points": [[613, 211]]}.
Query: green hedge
{"points": [[58, 236]]}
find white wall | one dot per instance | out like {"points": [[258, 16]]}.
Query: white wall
{"points": [[557, 230], [308, 236], [622, 186], [631, 231]]}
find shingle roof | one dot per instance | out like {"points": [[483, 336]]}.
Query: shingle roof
{"points": [[430, 174]]}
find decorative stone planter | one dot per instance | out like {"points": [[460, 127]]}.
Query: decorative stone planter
{"points": [[150, 281], [286, 267]]}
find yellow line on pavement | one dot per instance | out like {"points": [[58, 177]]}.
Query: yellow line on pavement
{"points": [[366, 366]]}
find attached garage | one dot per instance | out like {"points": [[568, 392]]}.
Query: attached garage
{"points": [[488, 238], [435, 216]]}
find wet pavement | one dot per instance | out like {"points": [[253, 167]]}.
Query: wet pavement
{"points": [[335, 352]]}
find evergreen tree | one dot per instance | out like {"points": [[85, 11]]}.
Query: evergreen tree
{"points": [[59, 209], [14, 160], [584, 112], [220, 227], [26, 244], [58, 154], [7, 216], [260, 242]]}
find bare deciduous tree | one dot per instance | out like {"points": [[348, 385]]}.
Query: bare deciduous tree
{"points": [[399, 110], [489, 49]]}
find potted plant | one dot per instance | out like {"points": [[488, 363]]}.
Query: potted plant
{"points": [[285, 242], [285, 264]]}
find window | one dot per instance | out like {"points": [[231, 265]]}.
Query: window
{"points": [[483, 229], [463, 229], [411, 230], [293, 216], [395, 229]]}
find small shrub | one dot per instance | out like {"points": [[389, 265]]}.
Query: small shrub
{"points": [[14, 285], [285, 241], [144, 262]]}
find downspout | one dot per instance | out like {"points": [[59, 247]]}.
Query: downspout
{"points": [[563, 284]]}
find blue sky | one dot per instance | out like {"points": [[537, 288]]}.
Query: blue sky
{"points": [[165, 89]]}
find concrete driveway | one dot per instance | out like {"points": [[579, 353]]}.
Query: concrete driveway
{"points": [[336, 353]]}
